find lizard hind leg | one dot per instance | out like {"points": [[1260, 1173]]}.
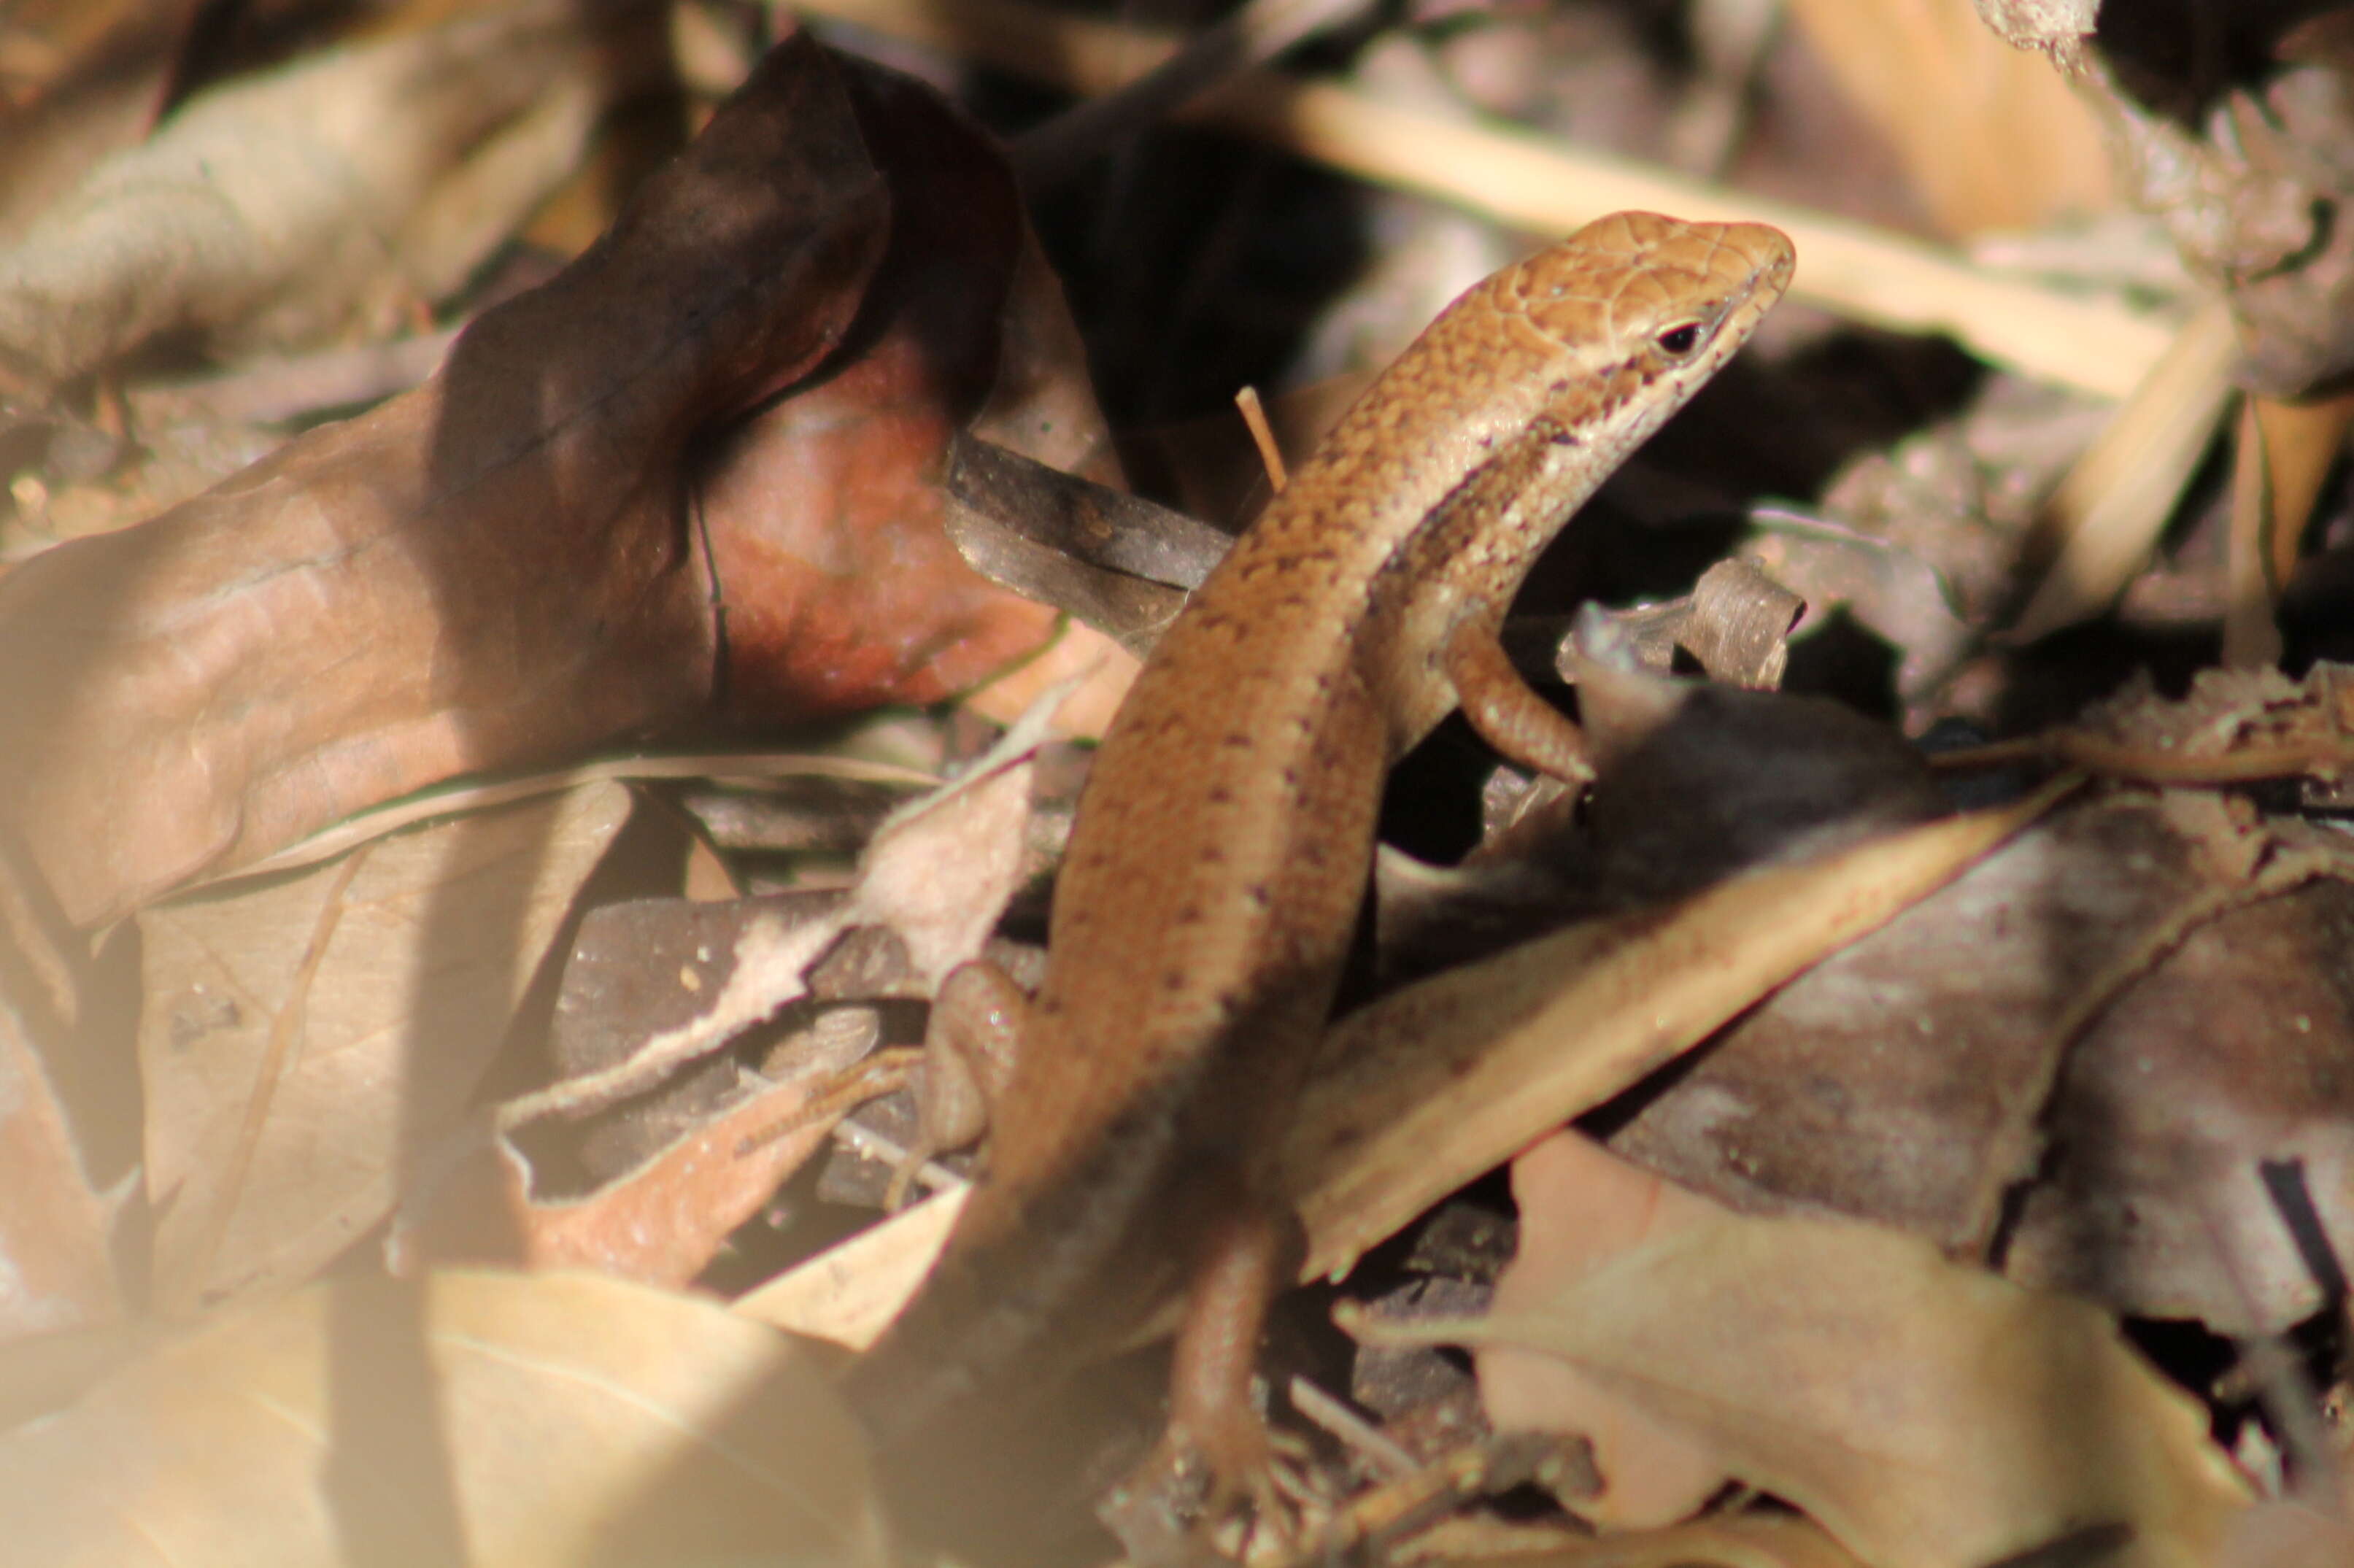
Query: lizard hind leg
{"points": [[967, 1058], [1247, 1253]]}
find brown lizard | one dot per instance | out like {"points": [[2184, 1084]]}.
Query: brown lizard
{"points": [[1211, 889]]}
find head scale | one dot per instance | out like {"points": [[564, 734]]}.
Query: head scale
{"points": [[1637, 296]]}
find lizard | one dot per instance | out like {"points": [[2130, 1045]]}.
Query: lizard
{"points": [[1211, 888]]}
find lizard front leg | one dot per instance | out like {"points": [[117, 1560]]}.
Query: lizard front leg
{"points": [[1507, 711]]}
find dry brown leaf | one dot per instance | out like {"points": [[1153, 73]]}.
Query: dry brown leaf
{"points": [[825, 513], [937, 876], [495, 568], [660, 1223], [649, 1189], [1925, 1414], [305, 1041], [2219, 1080], [274, 208], [1887, 1082], [2090, 1040], [486, 571], [516, 1420]]}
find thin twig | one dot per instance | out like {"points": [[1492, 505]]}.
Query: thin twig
{"points": [[1271, 455]]}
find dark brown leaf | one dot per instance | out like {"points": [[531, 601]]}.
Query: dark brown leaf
{"points": [[839, 586]]}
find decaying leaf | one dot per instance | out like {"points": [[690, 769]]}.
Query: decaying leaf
{"points": [[937, 876], [661, 1223], [649, 1189], [305, 1042], [2078, 1057], [1922, 1412], [2226, 135], [521, 1420], [1848, 1090], [2228, 720], [2224, 1073], [280, 206]]}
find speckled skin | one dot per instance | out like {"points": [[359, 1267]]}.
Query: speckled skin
{"points": [[1223, 842]]}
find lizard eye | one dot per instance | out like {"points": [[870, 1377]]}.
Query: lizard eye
{"points": [[1680, 339]]}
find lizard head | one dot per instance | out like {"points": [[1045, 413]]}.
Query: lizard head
{"points": [[1638, 309]]}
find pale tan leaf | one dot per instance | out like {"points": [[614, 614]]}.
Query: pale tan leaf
{"points": [[1447, 1078], [274, 205], [850, 1293], [941, 869], [57, 1265], [517, 1420], [1927, 1413], [2109, 511], [1580, 1209], [303, 1039]]}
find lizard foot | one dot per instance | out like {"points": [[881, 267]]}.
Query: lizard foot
{"points": [[1246, 1476], [1236, 1492]]}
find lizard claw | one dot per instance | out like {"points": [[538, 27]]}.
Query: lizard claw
{"points": [[1255, 1471], [1244, 1489]]}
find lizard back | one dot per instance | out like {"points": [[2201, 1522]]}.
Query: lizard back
{"points": [[1212, 885]]}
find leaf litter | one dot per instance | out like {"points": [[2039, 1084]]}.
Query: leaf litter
{"points": [[1977, 1087]]}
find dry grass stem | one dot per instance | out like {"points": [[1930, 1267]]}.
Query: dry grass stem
{"points": [[1546, 187]]}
